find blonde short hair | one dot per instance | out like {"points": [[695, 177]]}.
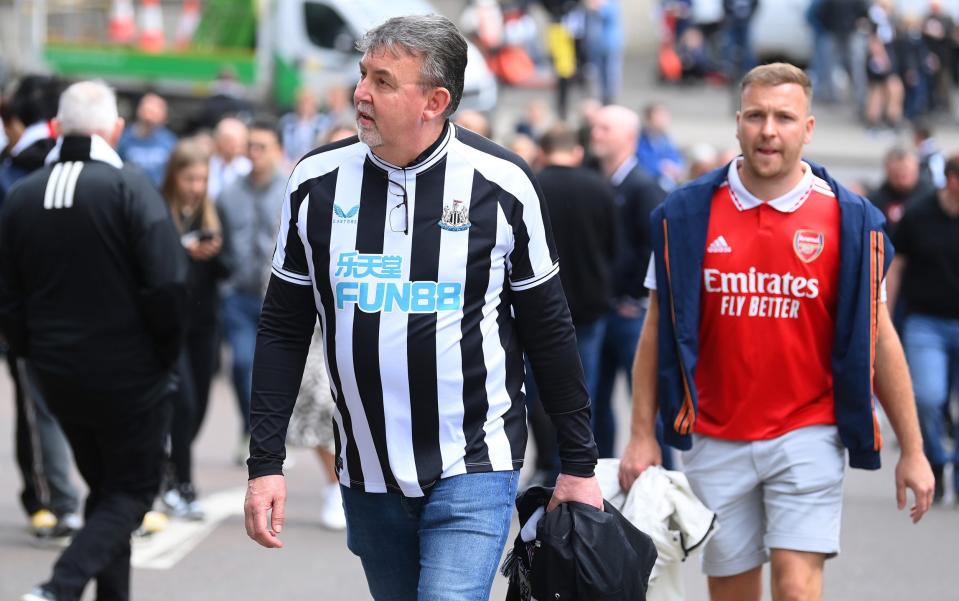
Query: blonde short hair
{"points": [[777, 74]]}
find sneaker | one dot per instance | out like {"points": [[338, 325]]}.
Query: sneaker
{"points": [[153, 522], [40, 593], [43, 523], [181, 503], [67, 525], [331, 515]]}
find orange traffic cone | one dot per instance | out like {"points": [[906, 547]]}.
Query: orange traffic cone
{"points": [[151, 26], [122, 27], [189, 21]]}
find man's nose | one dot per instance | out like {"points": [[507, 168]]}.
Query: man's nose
{"points": [[769, 126]]}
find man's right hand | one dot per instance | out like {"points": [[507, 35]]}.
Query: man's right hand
{"points": [[264, 509], [640, 453]]}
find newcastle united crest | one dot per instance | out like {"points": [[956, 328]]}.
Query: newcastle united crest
{"points": [[455, 218]]}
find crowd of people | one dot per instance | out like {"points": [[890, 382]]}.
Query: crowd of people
{"points": [[892, 67], [227, 191]]}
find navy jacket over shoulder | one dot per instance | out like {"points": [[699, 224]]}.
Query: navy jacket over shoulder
{"points": [[679, 229]]}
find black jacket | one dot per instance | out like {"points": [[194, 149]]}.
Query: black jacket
{"points": [[579, 554], [583, 217], [636, 196], [92, 275]]}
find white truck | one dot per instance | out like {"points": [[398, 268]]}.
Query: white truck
{"points": [[272, 46]]}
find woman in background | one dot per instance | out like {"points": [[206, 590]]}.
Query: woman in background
{"points": [[202, 235]]}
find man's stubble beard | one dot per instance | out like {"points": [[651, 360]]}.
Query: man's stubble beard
{"points": [[369, 136]]}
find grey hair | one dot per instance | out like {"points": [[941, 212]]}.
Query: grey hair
{"points": [[433, 37], [87, 107]]}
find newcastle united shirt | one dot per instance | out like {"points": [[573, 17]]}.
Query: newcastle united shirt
{"points": [[429, 281]]}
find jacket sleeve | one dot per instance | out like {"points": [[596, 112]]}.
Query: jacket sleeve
{"points": [[282, 344], [12, 322], [162, 265]]}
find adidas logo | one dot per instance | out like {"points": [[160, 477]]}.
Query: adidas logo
{"points": [[719, 245]]}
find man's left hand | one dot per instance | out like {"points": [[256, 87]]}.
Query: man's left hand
{"points": [[574, 488], [913, 472]]}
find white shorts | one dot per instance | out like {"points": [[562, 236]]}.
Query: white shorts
{"points": [[783, 493]]}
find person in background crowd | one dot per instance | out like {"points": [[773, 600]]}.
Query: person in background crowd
{"points": [[939, 34], [148, 143], [49, 498], [584, 221], [228, 98], [251, 210], [229, 162], [658, 155], [202, 235], [474, 121], [900, 188], [92, 288], [932, 163], [737, 21], [885, 94], [615, 133], [839, 22], [604, 46], [338, 103], [925, 275], [527, 149], [779, 389], [916, 66], [301, 130], [536, 120]]}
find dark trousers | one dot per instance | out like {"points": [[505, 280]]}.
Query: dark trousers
{"points": [[120, 456], [195, 368], [43, 455]]}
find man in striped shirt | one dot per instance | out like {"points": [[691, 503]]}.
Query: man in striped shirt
{"points": [[425, 252]]}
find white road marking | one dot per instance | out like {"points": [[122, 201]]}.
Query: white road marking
{"points": [[162, 551]]}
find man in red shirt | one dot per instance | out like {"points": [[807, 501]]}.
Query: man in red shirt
{"points": [[767, 453]]}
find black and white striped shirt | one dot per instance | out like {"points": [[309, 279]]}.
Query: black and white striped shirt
{"points": [[424, 329]]}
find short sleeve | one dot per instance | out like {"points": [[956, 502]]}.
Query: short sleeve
{"points": [[650, 281], [533, 258], [289, 258]]}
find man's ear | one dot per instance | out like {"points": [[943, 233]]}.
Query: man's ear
{"points": [[55, 127], [117, 131], [436, 103]]}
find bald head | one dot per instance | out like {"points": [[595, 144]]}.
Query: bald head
{"points": [[230, 138], [614, 133]]}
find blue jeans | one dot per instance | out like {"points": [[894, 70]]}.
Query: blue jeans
{"points": [[444, 546], [619, 349], [932, 349], [241, 312]]}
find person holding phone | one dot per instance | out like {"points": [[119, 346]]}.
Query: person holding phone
{"points": [[202, 236]]}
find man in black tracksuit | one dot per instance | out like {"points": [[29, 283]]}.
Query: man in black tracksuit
{"points": [[92, 292]]}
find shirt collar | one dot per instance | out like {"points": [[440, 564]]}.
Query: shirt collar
{"points": [[426, 159], [31, 135], [787, 203], [79, 148], [620, 174]]}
